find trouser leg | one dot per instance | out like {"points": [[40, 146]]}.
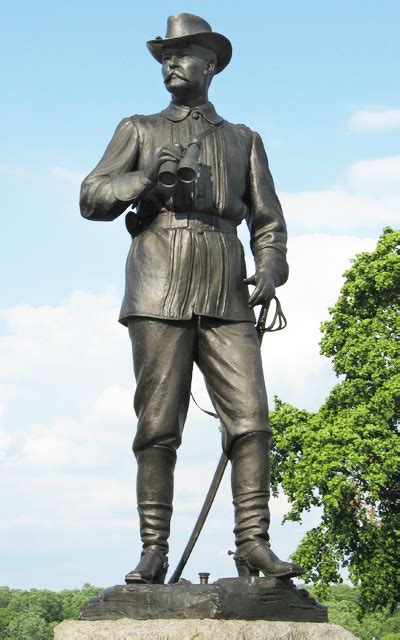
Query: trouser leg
{"points": [[163, 354], [163, 361], [230, 358]]}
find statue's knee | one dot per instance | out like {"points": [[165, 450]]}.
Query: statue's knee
{"points": [[167, 443], [262, 435]]}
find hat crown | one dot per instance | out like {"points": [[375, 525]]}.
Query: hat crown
{"points": [[184, 29], [186, 24]]}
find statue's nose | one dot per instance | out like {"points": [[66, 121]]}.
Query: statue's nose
{"points": [[173, 63]]}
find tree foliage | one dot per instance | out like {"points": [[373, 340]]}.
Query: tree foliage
{"points": [[343, 605], [32, 615], [345, 458]]}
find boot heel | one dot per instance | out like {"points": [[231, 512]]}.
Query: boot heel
{"points": [[245, 571], [161, 576], [243, 568]]}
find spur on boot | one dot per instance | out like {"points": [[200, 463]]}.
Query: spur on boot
{"points": [[151, 569], [261, 558]]}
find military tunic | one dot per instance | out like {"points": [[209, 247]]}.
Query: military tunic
{"points": [[188, 260]]}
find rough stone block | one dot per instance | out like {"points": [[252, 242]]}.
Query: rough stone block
{"points": [[128, 629]]}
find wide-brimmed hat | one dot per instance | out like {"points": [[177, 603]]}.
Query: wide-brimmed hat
{"points": [[186, 28]]}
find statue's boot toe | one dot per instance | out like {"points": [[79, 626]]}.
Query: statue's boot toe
{"points": [[151, 569], [262, 558]]}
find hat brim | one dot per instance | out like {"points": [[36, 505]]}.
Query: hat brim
{"points": [[214, 41]]}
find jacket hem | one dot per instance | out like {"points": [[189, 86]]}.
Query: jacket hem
{"points": [[125, 318]]}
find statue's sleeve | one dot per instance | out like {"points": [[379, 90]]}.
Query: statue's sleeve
{"points": [[114, 184], [266, 223]]}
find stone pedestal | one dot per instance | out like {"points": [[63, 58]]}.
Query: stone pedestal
{"points": [[127, 629]]}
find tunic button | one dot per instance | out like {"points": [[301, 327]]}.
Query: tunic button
{"points": [[195, 115]]}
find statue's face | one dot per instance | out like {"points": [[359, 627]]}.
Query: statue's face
{"points": [[186, 71]]}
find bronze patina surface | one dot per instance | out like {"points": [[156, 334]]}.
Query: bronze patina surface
{"points": [[190, 178], [229, 598]]}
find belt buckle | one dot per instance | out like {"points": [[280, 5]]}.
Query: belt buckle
{"points": [[200, 224]]}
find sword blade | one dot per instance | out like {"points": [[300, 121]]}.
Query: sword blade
{"points": [[216, 481]]}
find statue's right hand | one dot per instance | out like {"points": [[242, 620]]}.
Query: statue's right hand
{"points": [[167, 152]]}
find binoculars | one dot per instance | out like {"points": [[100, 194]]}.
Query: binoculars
{"points": [[184, 171]]}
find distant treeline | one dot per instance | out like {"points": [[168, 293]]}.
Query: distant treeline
{"points": [[344, 610], [32, 615]]}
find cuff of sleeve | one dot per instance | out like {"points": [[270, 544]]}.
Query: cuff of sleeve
{"points": [[129, 186], [274, 261]]}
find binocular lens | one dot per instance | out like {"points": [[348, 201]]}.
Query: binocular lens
{"points": [[186, 174], [186, 171], [167, 175]]}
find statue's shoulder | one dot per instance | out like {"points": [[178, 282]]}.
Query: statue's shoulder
{"points": [[139, 119], [144, 124], [240, 127], [240, 132]]}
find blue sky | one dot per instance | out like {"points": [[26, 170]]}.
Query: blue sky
{"points": [[320, 82]]}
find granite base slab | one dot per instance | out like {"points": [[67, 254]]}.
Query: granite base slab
{"points": [[128, 629]]}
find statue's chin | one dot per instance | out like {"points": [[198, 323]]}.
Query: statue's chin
{"points": [[179, 88], [179, 91]]}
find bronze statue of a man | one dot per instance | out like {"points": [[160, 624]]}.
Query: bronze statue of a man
{"points": [[192, 177]]}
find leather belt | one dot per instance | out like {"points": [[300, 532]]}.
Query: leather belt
{"points": [[200, 221]]}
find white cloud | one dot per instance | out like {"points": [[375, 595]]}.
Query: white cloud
{"points": [[114, 403], [5, 438], [374, 121], [74, 345], [338, 210], [94, 441], [52, 446], [368, 200], [378, 176]]}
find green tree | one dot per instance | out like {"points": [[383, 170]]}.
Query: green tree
{"points": [[391, 627], [345, 458], [29, 625], [46, 603], [32, 615], [342, 601], [73, 600], [5, 614]]}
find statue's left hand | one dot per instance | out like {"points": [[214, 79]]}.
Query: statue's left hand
{"points": [[264, 287]]}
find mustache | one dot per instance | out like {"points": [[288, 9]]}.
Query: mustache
{"points": [[175, 73]]}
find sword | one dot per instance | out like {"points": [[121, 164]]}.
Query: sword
{"points": [[278, 322]]}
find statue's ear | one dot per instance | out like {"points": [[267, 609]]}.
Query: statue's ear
{"points": [[210, 69]]}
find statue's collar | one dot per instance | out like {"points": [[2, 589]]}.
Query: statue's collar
{"points": [[177, 113]]}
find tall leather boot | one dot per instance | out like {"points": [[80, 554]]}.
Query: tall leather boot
{"points": [[250, 491], [155, 488]]}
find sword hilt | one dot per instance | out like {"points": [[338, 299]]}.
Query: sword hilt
{"points": [[277, 323]]}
